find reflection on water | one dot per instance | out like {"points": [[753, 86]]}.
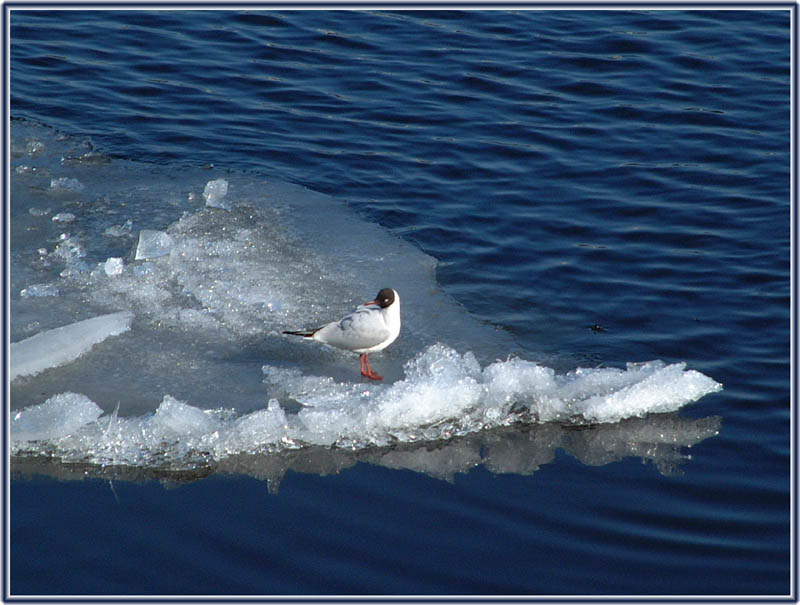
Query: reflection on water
{"points": [[660, 439]]}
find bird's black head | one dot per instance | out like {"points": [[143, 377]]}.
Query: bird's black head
{"points": [[384, 298]]}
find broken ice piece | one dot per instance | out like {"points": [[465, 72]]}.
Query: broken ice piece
{"points": [[143, 269], [69, 249], [153, 244], [64, 217], [33, 147], [113, 266], [59, 346], [36, 290], [65, 184], [214, 192], [119, 230], [60, 415], [88, 158], [74, 268]]}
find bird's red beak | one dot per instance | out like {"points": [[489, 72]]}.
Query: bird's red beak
{"points": [[372, 302]]}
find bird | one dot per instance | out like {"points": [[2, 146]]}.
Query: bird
{"points": [[371, 327]]}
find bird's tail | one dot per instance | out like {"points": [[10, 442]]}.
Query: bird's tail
{"points": [[306, 333]]}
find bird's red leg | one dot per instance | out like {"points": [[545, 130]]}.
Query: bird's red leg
{"points": [[366, 370]]}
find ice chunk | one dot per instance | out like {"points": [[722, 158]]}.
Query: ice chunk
{"points": [[256, 430], [143, 270], [441, 395], [214, 193], [660, 389], [59, 346], [34, 147], [64, 217], [123, 230], [440, 384], [36, 290], [113, 266], [176, 434], [90, 158], [65, 184], [75, 267], [69, 249], [60, 415], [39, 211], [177, 418], [153, 244]]}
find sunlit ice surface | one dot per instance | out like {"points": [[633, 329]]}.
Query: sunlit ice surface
{"points": [[148, 306]]}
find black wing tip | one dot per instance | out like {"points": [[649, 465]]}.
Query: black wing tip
{"points": [[306, 333]]}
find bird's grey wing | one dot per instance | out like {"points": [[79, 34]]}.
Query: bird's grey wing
{"points": [[361, 329]]}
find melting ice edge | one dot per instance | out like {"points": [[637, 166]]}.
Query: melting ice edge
{"points": [[444, 394]]}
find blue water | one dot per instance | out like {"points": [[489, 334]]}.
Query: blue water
{"points": [[603, 187]]}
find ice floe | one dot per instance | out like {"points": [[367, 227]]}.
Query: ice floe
{"points": [[216, 383]]}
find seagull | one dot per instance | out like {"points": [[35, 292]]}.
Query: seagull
{"points": [[371, 327]]}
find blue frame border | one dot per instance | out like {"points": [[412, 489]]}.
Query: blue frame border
{"points": [[410, 5]]}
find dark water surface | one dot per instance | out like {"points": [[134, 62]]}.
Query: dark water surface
{"points": [[598, 188]]}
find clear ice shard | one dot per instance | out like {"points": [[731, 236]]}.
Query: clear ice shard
{"points": [[153, 244], [114, 266], [65, 184], [59, 346], [214, 193], [37, 290], [60, 415], [64, 217], [119, 230]]}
